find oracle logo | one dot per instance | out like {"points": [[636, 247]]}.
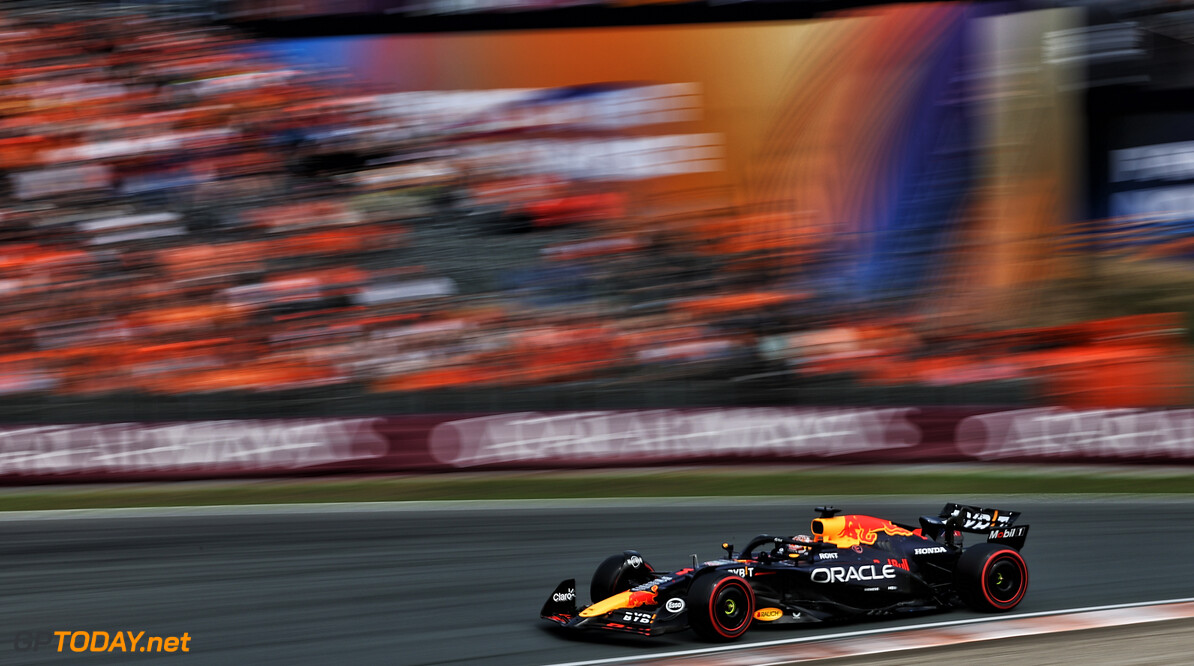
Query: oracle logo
{"points": [[847, 574]]}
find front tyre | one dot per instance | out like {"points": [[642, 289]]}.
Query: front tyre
{"points": [[991, 578], [720, 607], [618, 573]]}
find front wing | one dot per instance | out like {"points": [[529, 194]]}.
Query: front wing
{"points": [[636, 611]]}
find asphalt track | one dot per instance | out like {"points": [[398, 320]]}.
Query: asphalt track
{"points": [[462, 583]]}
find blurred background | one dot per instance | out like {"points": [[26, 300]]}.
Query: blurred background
{"points": [[273, 208]]}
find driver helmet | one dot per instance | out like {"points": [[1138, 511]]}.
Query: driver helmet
{"points": [[797, 549]]}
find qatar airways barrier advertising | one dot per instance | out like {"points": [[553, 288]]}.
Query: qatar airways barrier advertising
{"points": [[529, 440]]}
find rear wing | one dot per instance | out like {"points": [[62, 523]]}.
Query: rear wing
{"points": [[998, 525]]}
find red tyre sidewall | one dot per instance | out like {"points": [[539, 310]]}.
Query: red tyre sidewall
{"points": [[747, 617], [996, 557]]}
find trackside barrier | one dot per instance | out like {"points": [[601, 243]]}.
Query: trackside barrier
{"points": [[575, 439]]}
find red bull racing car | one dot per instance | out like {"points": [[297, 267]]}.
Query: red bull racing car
{"points": [[851, 566]]}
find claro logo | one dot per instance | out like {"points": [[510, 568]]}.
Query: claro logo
{"points": [[847, 574], [564, 596], [768, 614]]}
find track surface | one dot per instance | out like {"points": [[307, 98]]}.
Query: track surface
{"points": [[462, 583]]}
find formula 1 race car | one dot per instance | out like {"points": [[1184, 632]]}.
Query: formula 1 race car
{"points": [[852, 566]]}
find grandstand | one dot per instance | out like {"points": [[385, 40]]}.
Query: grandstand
{"points": [[186, 218]]}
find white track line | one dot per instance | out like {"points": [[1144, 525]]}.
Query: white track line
{"points": [[1002, 627]]}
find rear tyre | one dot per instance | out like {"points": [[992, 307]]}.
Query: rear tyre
{"points": [[991, 578], [721, 607], [618, 573]]}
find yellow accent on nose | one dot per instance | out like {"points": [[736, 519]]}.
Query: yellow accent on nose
{"points": [[619, 600]]}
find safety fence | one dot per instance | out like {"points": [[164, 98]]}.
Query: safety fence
{"points": [[638, 391]]}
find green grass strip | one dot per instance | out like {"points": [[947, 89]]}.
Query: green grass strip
{"points": [[721, 482]]}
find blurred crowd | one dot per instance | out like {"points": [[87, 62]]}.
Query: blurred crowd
{"points": [[181, 215]]}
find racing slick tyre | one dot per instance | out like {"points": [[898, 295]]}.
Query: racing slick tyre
{"points": [[720, 607], [618, 573], [991, 578]]}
